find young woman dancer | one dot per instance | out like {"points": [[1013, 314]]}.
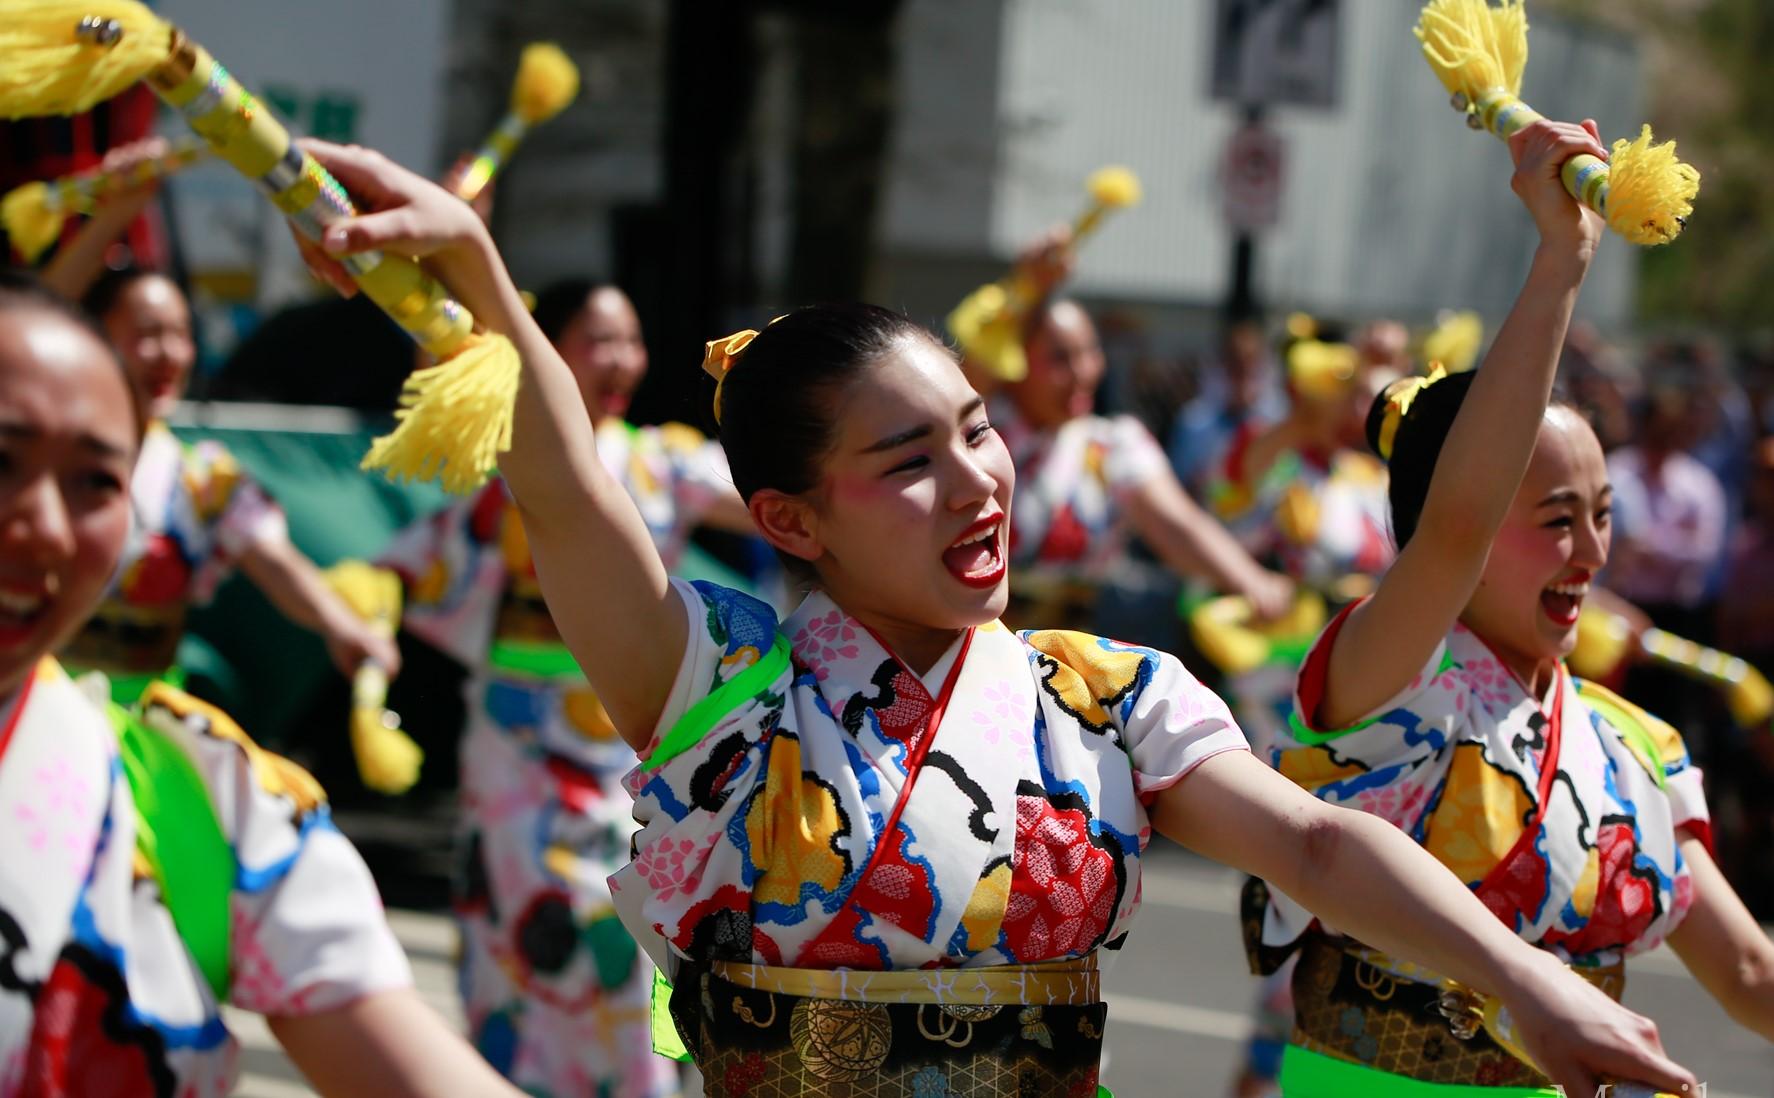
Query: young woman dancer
{"points": [[1442, 705], [885, 840], [107, 985], [555, 990]]}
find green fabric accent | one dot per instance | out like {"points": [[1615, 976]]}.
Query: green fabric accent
{"points": [[666, 1040], [730, 695], [537, 659], [1307, 1074], [178, 835], [128, 689], [1312, 738], [1630, 726], [612, 949]]}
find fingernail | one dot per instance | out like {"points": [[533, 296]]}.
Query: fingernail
{"points": [[333, 240]]}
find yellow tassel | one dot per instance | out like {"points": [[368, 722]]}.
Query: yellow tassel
{"points": [[547, 80], [1474, 47], [388, 760], [30, 223], [988, 323], [989, 331], [1650, 192], [1455, 341], [62, 57], [455, 417], [1114, 187]]}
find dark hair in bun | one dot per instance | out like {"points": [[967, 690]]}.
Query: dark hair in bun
{"points": [[1416, 445]]}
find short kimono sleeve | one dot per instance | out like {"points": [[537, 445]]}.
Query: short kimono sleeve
{"points": [[308, 932], [1169, 723], [689, 881], [239, 513], [1133, 456], [1657, 743], [1174, 725]]}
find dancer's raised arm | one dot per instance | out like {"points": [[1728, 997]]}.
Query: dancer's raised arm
{"points": [[605, 584], [1385, 641]]}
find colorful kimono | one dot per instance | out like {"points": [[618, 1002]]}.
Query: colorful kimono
{"points": [[1562, 814], [1320, 521], [196, 512], [99, 993], [868, 881], [1069, 525], [555, 991], [1321, 518]]}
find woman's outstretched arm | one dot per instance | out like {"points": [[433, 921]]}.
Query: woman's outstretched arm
{"points": [[1386, 640], [1368, 879]]}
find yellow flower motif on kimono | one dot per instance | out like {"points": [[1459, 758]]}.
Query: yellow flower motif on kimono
{"points": [[681, 438], [1088, 676], [793, 829], [640, 478], [514, 543], [1583, 895], [1095, 455], [214, 487], [587, 716], [984, 915], [1311, 767], [1298, 514], [1480, 817], [431, 587]]}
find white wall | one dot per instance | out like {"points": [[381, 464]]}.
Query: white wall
{"points": [[1391, 205]]}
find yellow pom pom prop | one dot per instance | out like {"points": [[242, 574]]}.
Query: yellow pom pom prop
{"points": [[387, 758], [1226, 631], [547, 80], [1478, 53], [63, 58], [1604, 641], [988, 322], [1455, 341], [1321, 371], [455, 417], [33, 214]]}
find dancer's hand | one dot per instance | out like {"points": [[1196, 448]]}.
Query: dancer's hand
{"points": [[1048, 260], [1540, 150], [406, 214], [124, 159], [1581, 1038]]}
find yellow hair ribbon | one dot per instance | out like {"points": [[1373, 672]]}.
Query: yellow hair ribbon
{"points": [[1400, 395], [719, 355]]}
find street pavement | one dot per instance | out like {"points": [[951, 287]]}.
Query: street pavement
{"points": [[1179, 999]]}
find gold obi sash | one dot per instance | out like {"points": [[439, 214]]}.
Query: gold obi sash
{"points": [[1360, 1005], [1071, 982], [992, 1032]]}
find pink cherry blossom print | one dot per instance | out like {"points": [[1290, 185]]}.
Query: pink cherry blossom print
{"points": [[824, 639]]}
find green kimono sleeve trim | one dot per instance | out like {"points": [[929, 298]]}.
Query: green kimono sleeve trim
{"points": [[730, 695], [537, 659], [1313, 738], [1311, 1074], [178, 835], [667, 1042]]}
